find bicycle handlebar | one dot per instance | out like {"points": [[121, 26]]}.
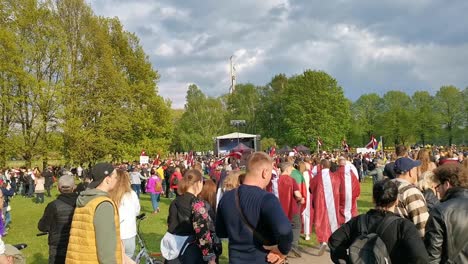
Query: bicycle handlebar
{"points": [[42, 234]]}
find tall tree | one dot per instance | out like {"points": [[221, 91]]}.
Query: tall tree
{"points": [[242, 105], [270, 110], [11, 75], [450, 104], [203, 119], [426, 121], [314, 105], [41, 45], [365, 112], [396, 120]]}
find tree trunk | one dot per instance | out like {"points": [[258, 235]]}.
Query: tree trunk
{"points": [[27, 159], [449, 128]]}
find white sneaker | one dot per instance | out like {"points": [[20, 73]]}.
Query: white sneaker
{"points": [[307, 237], [322, 249]]}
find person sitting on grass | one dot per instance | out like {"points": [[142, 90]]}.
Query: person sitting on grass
{"points": [[57, 219]]}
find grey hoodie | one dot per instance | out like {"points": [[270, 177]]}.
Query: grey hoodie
{"points": [[106, 237]]}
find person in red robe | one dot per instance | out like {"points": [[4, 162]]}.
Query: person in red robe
{"points": [[326, 203], [350, 189], [290, 199]]}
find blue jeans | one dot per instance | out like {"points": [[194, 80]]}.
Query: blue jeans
{"points": [[154, 201], [7, 217], [137, 189]]}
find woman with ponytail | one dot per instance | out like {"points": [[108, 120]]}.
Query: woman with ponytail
{"points": [[188, 217]]}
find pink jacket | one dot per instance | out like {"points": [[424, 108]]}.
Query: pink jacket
{"points": [[151, 184]]}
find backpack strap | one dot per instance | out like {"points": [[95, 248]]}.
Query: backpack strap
{"points": [[363, 221], [388, 219]]}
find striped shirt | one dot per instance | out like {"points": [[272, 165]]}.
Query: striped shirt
{"points": [[411, 205]]}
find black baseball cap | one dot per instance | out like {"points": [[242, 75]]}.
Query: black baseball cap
{"points": [[403, 165], [99, 172]]}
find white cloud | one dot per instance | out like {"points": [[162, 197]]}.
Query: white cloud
{"points": [[365, 45]]}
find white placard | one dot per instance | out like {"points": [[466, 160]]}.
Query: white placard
{"points": [[144, 159]]}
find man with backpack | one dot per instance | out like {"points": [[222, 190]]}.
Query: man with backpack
{"points": [[379, 236]]}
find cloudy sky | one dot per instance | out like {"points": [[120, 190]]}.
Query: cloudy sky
{"points": [[367, 45]]}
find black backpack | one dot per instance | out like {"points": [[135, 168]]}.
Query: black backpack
{"points": [[369, 247]]}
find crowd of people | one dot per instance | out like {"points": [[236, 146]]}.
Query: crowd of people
{"points": [[262, 206]]}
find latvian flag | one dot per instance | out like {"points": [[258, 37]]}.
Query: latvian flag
{"points": [[272, 151], [319, 142], [345, 146], [372, 143]]}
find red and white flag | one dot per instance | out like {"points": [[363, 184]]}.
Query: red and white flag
{"points": [[319, 142], [235, 154], [345, 146], [190, 160], [272, 151], [372, 143], [156, 160], [295, 150]]}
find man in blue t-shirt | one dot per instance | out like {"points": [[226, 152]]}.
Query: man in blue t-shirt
{"points": [[252, 219]]}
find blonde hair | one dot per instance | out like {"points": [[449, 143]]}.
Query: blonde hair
{"points": [[231, 181], [191, 177], [122, 187], [425, 158], [427, 180], [257, 159]]}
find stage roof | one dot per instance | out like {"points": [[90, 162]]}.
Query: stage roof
{"points": [[236, 135]]}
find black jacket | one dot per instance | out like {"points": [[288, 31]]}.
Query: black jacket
{"points": [[447, 228], [431, 199], [48, 176], [57, 221], [401, 237], [179, 220]]}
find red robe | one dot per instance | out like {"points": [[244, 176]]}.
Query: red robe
{"points": [[350, 189], [326, 211], [286, 188]]}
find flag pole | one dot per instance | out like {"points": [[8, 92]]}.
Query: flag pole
{"points": [[318, 146]]}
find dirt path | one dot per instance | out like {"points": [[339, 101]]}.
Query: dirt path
{"points": [[309, 255]]}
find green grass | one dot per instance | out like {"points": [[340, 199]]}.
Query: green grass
{"points": [[26, 215]]}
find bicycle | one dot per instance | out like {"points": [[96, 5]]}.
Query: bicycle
{"points": [[144, 256]]}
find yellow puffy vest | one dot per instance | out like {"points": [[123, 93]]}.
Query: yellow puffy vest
{"points": [[82, 243]]}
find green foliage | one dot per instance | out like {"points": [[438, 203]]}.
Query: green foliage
{"points": [[426, 122], [401, 119], [449, 101], [242, 105], [204, 118], [266, 143], [365, 116], [396, 119], [314, 106], [66, 71]]}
